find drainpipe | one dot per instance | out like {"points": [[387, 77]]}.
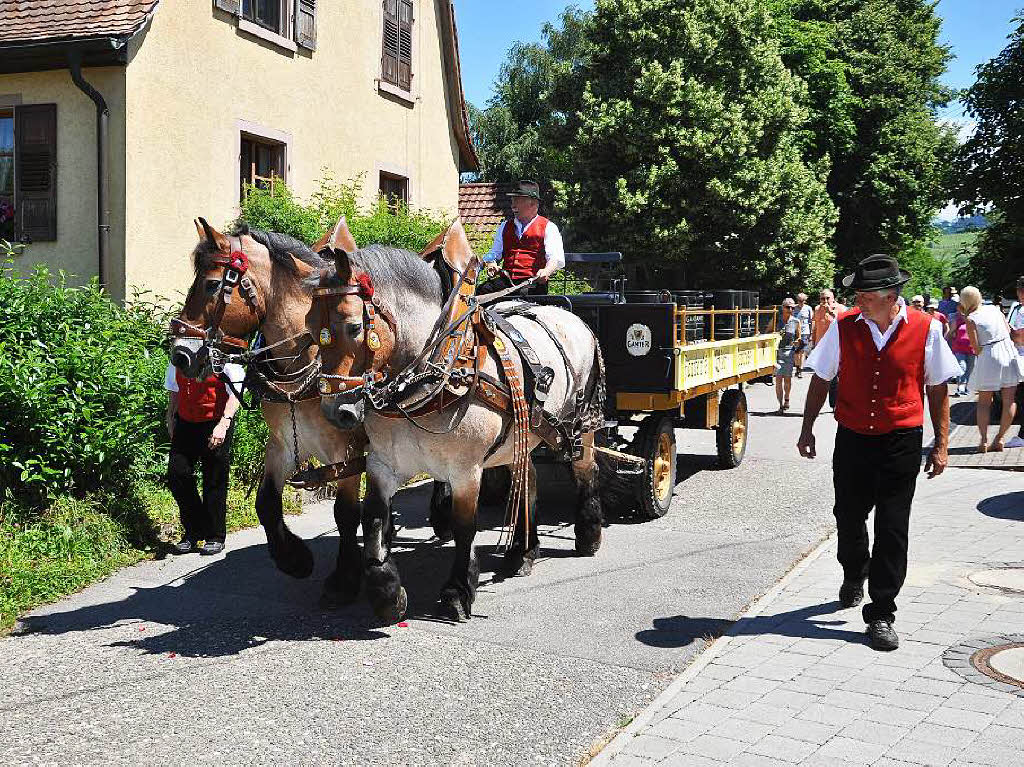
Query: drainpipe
{"points": [[102, 162]]}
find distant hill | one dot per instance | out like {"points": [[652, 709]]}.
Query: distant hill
{"points": [[964, 224]]}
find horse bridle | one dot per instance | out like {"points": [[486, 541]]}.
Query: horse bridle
{"points": [[236, 266], [375, 373]]}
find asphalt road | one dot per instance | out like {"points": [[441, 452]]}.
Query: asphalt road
{"points": [[225, 660]]}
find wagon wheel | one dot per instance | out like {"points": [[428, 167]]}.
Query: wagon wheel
{"points": [[731, 434], [655, 442]]}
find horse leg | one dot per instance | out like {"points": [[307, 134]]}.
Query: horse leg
{"points": [[289, 552], [459, 593], [383, 585], [342, 586], [588, 511], [441, 511], [520, 558]]}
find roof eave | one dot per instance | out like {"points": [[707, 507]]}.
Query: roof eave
{"points": [[41, 55], [468, 160]]}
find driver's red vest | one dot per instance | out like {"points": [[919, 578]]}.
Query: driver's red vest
{"points": [[200, 401], [880, 391], [522, 257]]}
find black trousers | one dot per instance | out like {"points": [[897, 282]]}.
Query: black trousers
{"points": [[502, 282], [203, 518], [880, 473]]}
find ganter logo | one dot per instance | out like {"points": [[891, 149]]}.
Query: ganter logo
{"points": [[638, 340]]}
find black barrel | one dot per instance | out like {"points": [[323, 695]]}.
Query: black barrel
{"points": [[648, 297], [692, 299], [725, 325]]}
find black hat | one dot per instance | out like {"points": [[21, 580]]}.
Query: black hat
{"points": [[877, 272], [527, 189]]}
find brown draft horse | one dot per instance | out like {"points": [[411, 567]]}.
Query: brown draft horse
{"points": [[274, 301], [378, 306]]}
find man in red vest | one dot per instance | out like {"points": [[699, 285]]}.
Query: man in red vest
{"points": [[527, 245], [199, 421], [886, 358]]}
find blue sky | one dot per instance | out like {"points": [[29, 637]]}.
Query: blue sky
{"points": [[976, 29]]}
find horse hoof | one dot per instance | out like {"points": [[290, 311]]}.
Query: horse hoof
{"points": [[392, 613], [453, 607], [587, 546], [336, 595], [516, 564], [444, 534], [293, 558]]}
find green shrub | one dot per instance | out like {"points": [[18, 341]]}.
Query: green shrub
{"points": [[280, 211]]}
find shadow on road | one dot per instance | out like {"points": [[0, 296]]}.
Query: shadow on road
{"points": [[1006, 506], [963, 413], [681, 630]]}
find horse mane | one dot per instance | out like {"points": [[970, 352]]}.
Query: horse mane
{"points": [[396, 273], [280, 246]]}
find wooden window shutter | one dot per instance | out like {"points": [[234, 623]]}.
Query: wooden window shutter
{"points": [[405, 44], [305, 24], [389, 59], [35, 157], [231, 6]]}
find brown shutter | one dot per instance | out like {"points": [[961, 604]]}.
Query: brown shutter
{"points": [[389, 59], [305, 24], [231, 6], [405, 45], [35, 157]]}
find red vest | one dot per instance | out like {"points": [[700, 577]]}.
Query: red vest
{"points": [[522, 257], [200, 401], [880, 391]]}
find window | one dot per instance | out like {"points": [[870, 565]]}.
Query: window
{"points": [[28, 173], [290, 23], [262, 162], [396, 61], [7, 175], [395, 189], [266, 13]]}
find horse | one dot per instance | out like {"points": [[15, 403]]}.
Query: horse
{"points": [[379, 304], [266, 293]]}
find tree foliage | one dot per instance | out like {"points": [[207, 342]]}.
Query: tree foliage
{"points": [[990, 164]]}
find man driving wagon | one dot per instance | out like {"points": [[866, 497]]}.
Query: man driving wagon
{"points": [[526, 246]]}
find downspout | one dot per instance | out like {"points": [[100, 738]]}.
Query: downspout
{"points": [[102, 163]]}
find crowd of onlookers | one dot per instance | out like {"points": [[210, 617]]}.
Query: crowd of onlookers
{"points": [[988, 344]]}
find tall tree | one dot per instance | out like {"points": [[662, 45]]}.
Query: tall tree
{"points": [[990, 166], [872, 68], [686, 146]]}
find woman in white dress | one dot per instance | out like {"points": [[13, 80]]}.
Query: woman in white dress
{"points": [[996, 369]]}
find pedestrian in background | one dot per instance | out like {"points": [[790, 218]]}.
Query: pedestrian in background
{"points": [[886, 358], [790, 342], [933, 311], [1016, 322], [804, 314], [917, 302], [998, 367], [960, 344], [200, 420], [949, 303], [825, 313]]}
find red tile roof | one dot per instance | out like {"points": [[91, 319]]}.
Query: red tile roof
{"points": [[55, 20], [483, 207]]}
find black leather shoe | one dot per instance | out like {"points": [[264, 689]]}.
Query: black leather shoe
{"points": [[851, 594], [211, 547], [882, 635], [184, 546]]}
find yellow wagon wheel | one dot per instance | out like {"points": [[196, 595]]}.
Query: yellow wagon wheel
{"points": [[655, 442], [731, 436]]}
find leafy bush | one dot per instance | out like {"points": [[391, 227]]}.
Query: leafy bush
{"points": [[278, 210], [81, 401]]}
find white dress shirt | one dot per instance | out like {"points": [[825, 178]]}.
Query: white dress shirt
{"points": [[939, 363], [554, 250]]}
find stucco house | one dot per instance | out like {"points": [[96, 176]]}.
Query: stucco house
{"points": [[123, 120]]}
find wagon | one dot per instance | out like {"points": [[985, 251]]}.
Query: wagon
{"points": [[673, 360]]}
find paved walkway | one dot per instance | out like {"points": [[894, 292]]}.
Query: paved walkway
{"points": [[794, 681], [964, 437]]}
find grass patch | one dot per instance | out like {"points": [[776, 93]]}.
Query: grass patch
{"points": [[75, 542], [949, 248]]}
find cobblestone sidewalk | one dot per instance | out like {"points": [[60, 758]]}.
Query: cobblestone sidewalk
{"points": [[795, 682]]}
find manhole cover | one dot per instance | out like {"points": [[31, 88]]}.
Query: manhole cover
{"points": [[995, 662], [1004, 578]]}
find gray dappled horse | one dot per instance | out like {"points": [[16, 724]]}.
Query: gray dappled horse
{"points": [[410, 292], [277, 304]]}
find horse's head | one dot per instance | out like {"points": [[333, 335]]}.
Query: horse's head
{"points": [[356, 334], [224, 303]]}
